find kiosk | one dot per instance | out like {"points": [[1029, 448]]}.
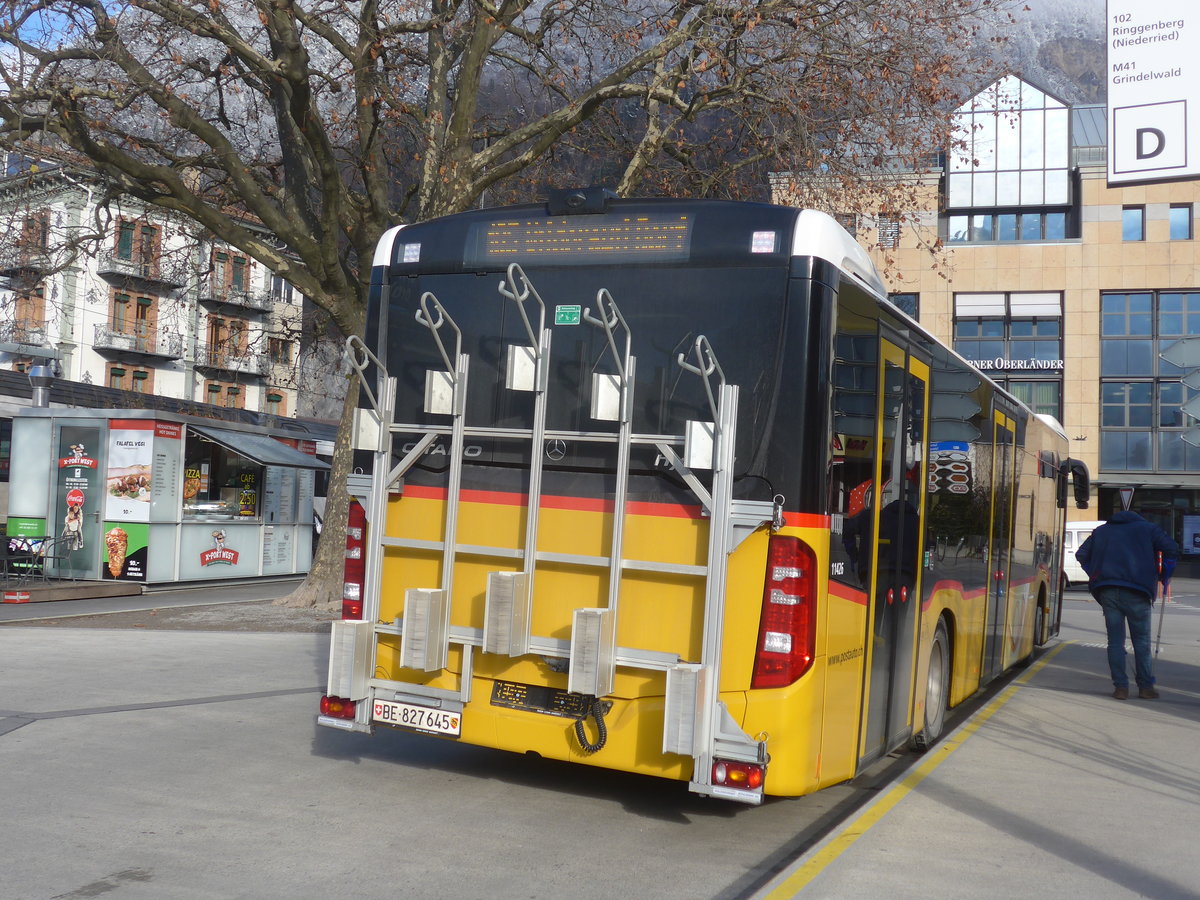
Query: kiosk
{"points": [[152, 497]]}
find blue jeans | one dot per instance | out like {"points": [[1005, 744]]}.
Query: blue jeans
{"points": [[1121, 604]]}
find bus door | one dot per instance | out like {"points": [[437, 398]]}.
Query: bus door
{"points": [[999, 541], [895, 589]]}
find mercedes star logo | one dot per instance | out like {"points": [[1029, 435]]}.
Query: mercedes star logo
{"points": [[555, 450]]}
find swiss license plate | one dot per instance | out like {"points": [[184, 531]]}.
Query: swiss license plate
{"points": [[418, 718]]}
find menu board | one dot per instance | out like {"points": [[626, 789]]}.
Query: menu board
{"points": [[279, 496], [277, 549], [271, 488]]}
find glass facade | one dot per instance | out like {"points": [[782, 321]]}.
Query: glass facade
{"points": [[1017, 339], [1009, 175], [1141, 422]]}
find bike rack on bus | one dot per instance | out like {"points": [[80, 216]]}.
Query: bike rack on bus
{"points": [[697, 723]]}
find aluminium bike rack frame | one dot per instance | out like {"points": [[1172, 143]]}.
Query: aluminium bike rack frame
{"points": [[696, 722]]}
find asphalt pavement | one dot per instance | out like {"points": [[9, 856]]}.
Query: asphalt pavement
{"points": [[1054, 789]]}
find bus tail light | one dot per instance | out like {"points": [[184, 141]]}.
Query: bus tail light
{"points": [[747, 776], [338, 707], [355, 571], [787, 632]]}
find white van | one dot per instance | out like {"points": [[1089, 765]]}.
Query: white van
{"points": [[1073, 538]]}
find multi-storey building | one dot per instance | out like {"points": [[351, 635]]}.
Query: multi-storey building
{"points": [[1062, 288], [128, 297]]}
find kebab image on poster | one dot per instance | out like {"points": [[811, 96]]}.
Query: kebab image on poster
{"points": [[125, 550]]}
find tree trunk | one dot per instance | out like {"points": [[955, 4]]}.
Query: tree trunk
{"points": [[322, 589]]}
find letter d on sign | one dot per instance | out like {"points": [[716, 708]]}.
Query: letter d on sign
{"points": [[1160, 141]]}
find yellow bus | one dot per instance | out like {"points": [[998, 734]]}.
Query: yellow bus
{"points": [[670, 487]]}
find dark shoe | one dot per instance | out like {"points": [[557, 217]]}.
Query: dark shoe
{"points": [[1148, 693], [1121, 693]]}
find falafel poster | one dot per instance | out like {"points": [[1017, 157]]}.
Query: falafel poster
{"points": [[130, 462], [142, 470]]}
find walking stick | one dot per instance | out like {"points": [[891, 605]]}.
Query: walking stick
{"points": [[1162, 605]]}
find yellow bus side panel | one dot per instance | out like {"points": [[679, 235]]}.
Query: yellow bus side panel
{"points": [[964, 624], [845, 659]]}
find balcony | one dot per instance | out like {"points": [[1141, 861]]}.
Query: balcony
{"points": [[17, 258], [24, 339], [239, 362], [156, 272], [108, 340], [215, 294]]}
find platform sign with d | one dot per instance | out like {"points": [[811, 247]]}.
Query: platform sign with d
{"points": [[1153, 90]]}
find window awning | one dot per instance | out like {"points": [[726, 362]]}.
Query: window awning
{"points": [[259, 448]]}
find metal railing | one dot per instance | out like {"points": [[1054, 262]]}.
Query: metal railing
{"points": [[169, 346]]}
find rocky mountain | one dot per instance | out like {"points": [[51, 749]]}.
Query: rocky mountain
{"points": [[1059, 45]]}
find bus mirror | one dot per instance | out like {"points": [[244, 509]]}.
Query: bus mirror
{"points": [[1081, 482]]}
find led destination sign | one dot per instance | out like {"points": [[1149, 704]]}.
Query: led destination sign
{"points": [[574, 239]]}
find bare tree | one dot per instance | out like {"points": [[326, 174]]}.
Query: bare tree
{"points": [[328, 120]]}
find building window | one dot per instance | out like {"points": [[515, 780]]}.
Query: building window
{"points": [[144, 322], [125, 236], [1025, 226], [1133, 223], [29, 315], [120, 313], [280, 289], [1017, 339], [1140, 394], [274, 404], [219, 393], [116, 378], [230, 270], [1181, 221], [909, 303], [280, 351], [1043, 397], [137, 241], [849, 221], [35, 231], [143, 383]]}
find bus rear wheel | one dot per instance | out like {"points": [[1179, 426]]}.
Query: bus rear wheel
{"points": [[936, 690]]}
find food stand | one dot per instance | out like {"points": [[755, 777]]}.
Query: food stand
{"points": [[154, 497]]}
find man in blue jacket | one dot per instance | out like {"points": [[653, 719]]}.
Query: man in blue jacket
{"points": [[1121, 559]]}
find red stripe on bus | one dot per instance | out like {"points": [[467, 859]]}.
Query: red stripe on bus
{"points": [[845, 592], [587, 504], [806, 520]]}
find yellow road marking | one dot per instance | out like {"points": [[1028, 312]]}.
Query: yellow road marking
{"points": [[861, 824]]}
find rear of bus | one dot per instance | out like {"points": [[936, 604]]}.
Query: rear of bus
{"points": [[695, 296]]}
